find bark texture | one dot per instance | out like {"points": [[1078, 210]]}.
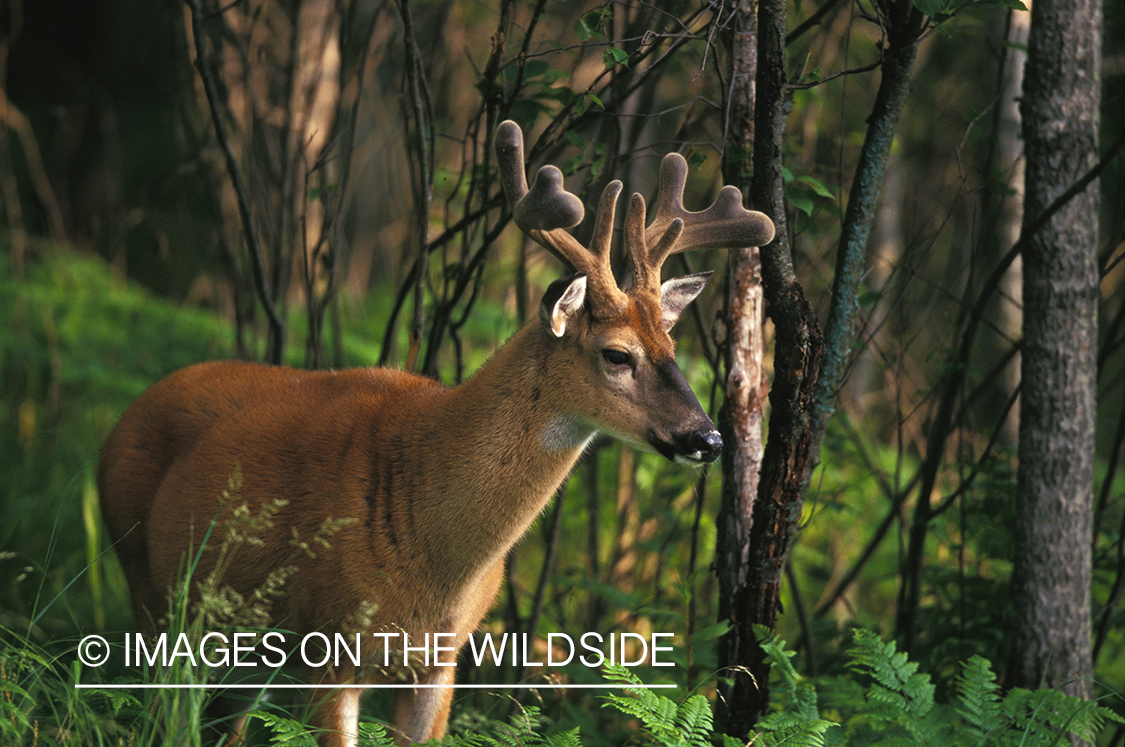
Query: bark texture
{"points": [[1051, 583], [745, 390], [768, 509]]}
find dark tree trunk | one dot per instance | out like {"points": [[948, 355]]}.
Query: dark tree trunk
{"points": [[759, 512], [1051, 581]]}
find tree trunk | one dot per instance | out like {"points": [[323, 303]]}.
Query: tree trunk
{"points": [[1004, 204], [1051, 580], [745, 391], [904, 26], [766, 517]]}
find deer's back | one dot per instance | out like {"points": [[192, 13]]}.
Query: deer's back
{"points": [[299, 445]]}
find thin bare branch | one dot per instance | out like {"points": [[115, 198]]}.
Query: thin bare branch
{"points": [[275, 344]]}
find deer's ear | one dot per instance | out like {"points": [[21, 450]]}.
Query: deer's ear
{"points": [[562, 302], [677, 293]]}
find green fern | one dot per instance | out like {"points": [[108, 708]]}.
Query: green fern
{"points": [[373, 734], [899, 694], [1045, 717], [290, 732], [694, 721], [1023, 718], [687, 724], [793, 730], [285, 732], [568, 738], [525, 728], [119, 700], [979, 699], [797, 723]]}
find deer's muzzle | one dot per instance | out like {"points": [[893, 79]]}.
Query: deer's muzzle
{"points": [[700, 446]]}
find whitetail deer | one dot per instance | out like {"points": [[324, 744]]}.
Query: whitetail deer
{"points": [[439, 482]]}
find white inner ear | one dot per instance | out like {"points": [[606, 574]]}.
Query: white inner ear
{"points": [[677, 293], [568, 305]]}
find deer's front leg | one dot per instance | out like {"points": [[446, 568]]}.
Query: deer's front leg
{"points": [[422, 714], [334, 716]]}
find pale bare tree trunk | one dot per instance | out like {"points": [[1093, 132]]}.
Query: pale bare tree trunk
{"points": [[746, 387], [1005, 205], [1051, 582]]}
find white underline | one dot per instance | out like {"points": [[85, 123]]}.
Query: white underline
{"points": [[395, 686]]}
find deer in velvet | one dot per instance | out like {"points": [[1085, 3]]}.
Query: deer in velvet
{"points": [[438, 483]]}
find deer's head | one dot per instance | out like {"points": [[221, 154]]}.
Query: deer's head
{"points": [[622, 376]]}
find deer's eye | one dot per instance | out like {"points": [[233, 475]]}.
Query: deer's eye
{"points": [[617, 357]]}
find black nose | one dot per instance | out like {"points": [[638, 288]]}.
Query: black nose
{"points": [[711, 443], [699, 446]]}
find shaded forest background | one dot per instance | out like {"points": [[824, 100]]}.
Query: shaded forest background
{"points": [[361, 133]]}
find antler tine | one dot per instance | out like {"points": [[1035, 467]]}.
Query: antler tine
{"points": [[601, 242], [724, 225], [509, 155], [646, 258], [546, 210]]}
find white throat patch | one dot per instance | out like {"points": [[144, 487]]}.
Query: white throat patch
{"points": [[565, 433]]}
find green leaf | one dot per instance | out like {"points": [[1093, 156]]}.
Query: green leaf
{"points": [[802, 203], [710, 633], [525, 110], [574, 139], [535, 68], [931, 8], [868, 298], [613, 56], [812, 76], [817, 187], [589, 26], [582, 30]]}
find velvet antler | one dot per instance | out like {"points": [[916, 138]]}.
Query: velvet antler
{"points": [[546, 210]]}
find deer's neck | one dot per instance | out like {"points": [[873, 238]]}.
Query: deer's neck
{"points": [[500, 444]]}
